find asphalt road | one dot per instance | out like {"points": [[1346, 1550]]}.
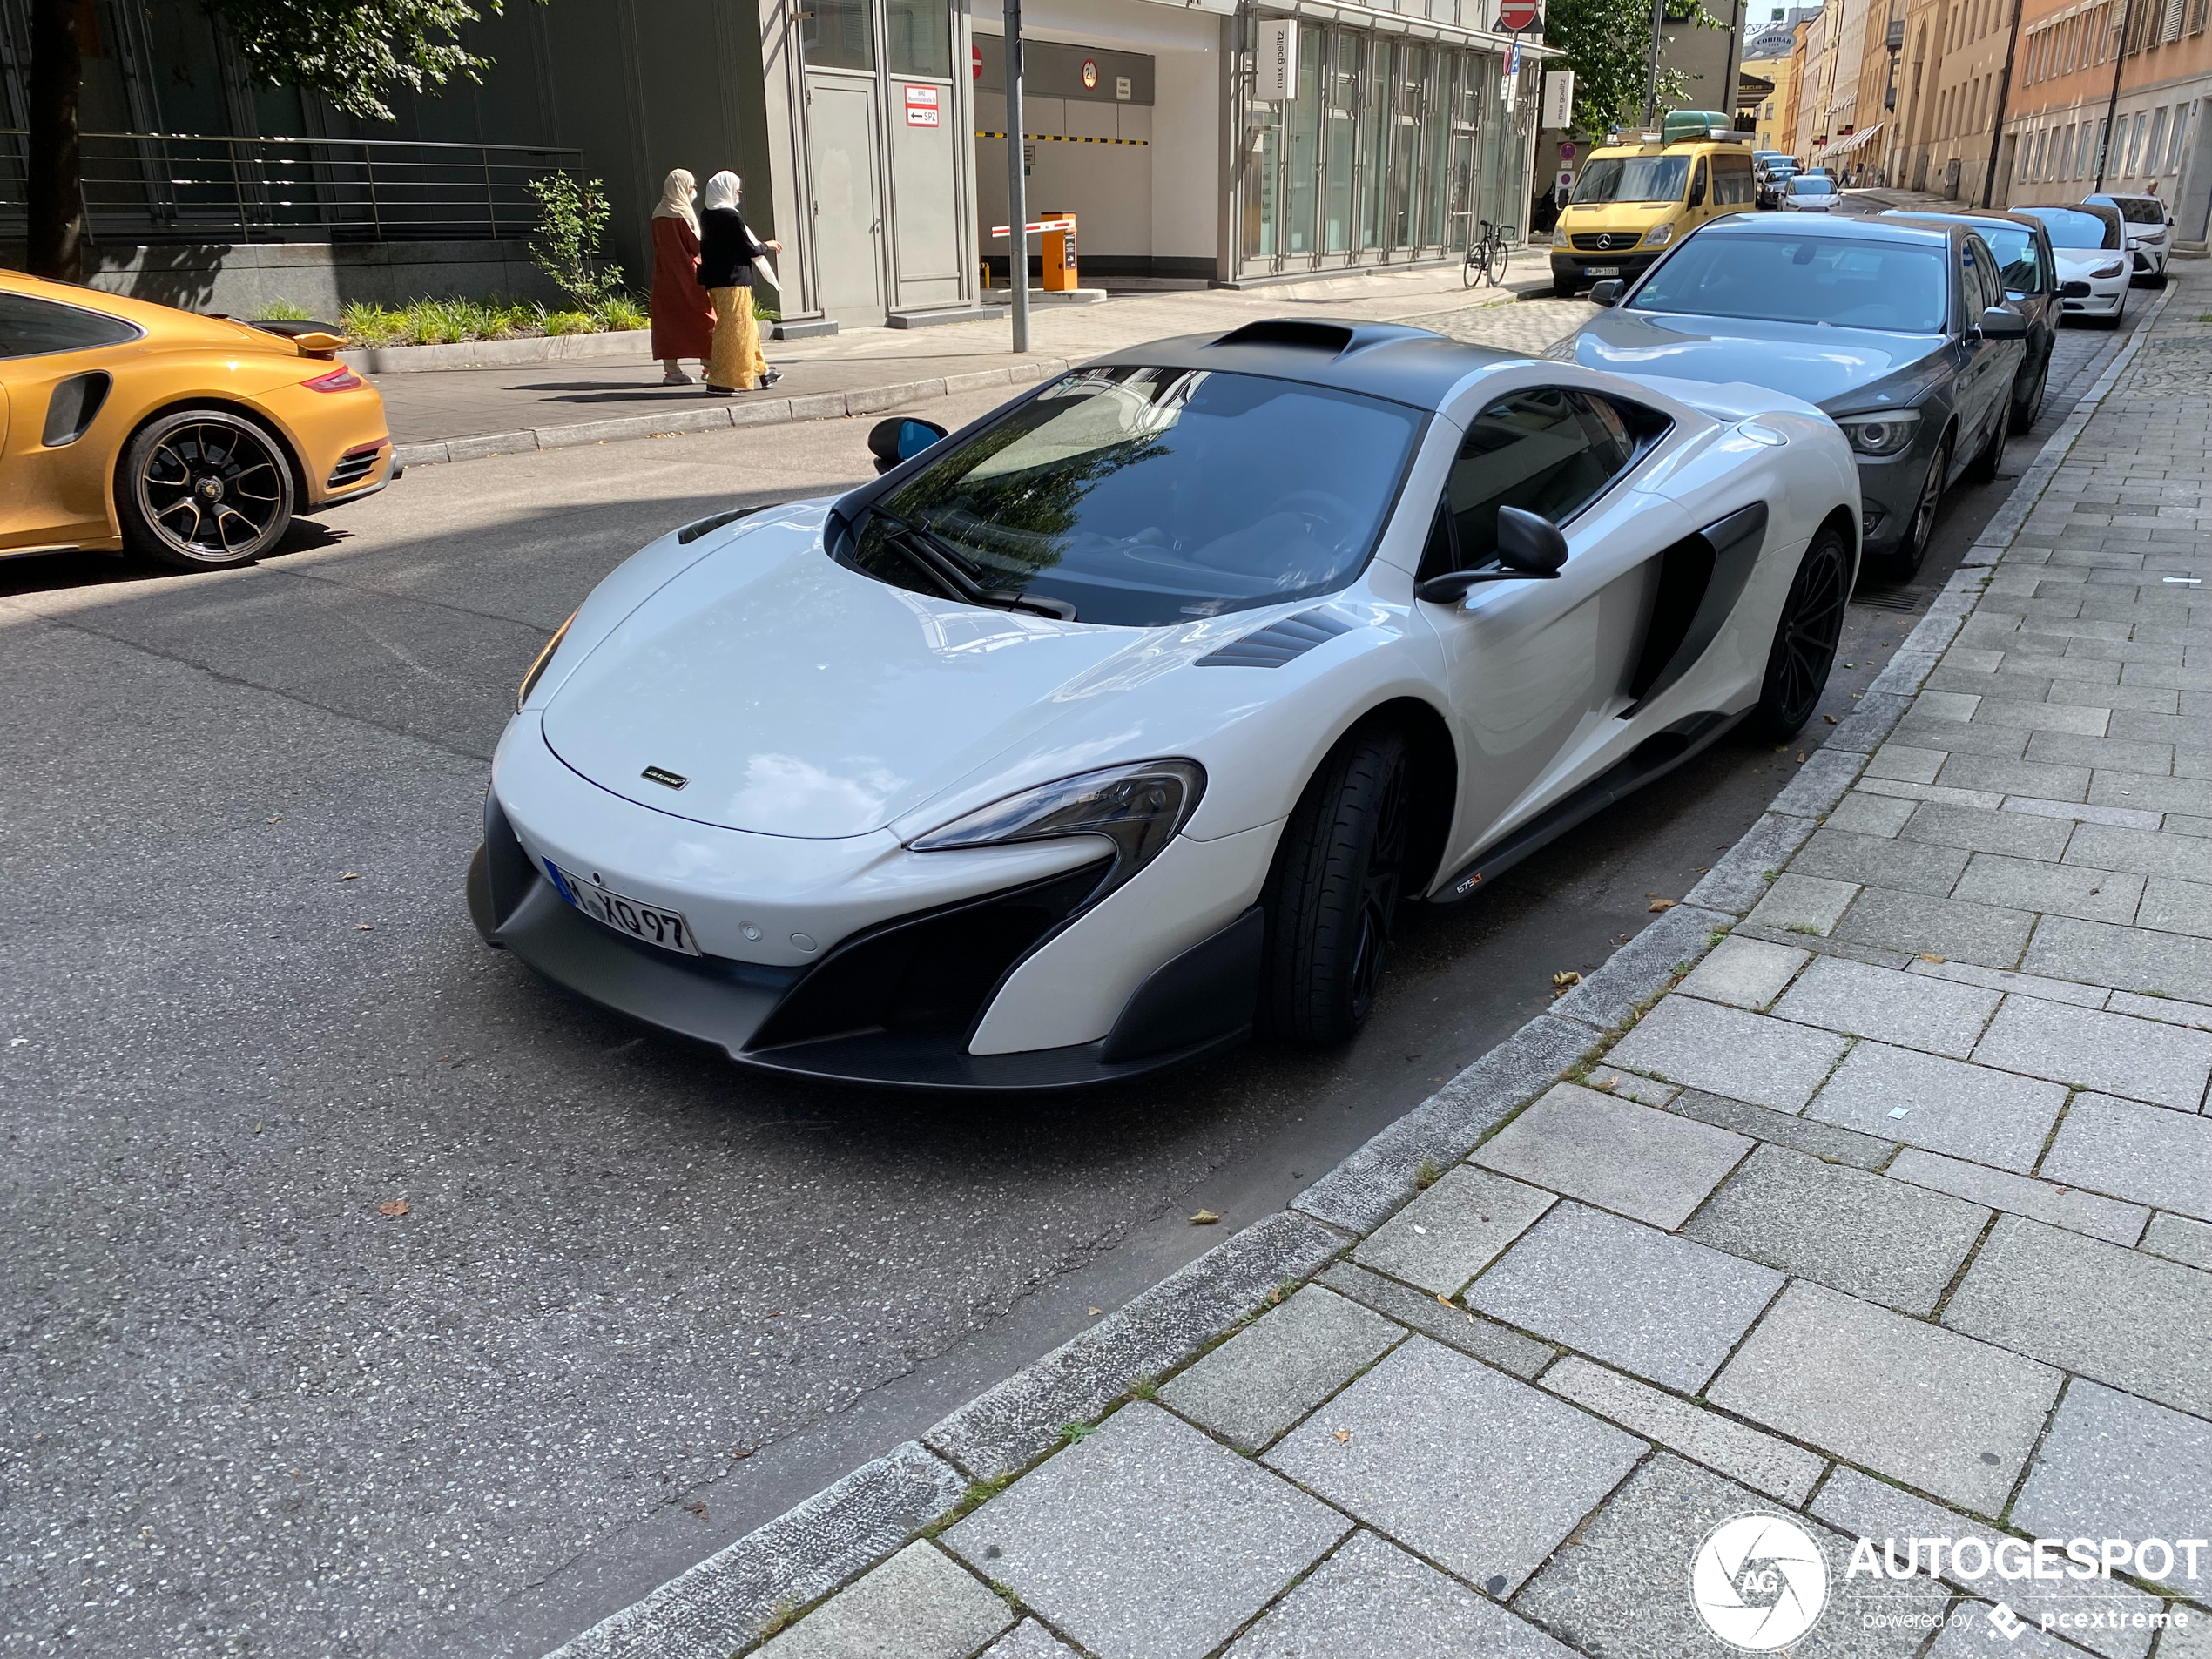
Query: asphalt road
{"points": [[637, 1302]]}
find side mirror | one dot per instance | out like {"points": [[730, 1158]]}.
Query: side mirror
{"points": [[2002, 323], [1607, 293], [900, 438], [1529, 547]]}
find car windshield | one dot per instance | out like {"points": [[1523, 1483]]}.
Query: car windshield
{"points": [[1895, 286], [1633, 178], [2075, 227], [2140, 210], [1141, 496], [2021, 261], [1811, 187]]}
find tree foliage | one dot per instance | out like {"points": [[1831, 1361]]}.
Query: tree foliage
{"points": [[1607, 45], [572, 220], [353, 52]]}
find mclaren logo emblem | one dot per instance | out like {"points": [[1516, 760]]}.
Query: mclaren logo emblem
{"points": [[662, 775]]}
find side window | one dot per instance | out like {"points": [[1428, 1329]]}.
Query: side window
{"points": [[1700, 186], [1733, 183], [1983, 289], [32, 327], [1547, 450]]}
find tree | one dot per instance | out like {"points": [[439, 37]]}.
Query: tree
{"points": [[351, 52], [1607, 45]]}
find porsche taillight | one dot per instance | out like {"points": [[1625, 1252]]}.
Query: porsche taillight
{"points": [[341, 379]]}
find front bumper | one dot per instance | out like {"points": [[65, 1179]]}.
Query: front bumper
{"points": [[1889, 487], [896, 1006], [2106, 296], [1572, 266]]}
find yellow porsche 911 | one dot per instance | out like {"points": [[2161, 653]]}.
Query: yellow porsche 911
{"points": [[191, 440]]}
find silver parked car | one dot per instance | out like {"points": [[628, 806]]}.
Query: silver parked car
{"points": [[1899, 331]]}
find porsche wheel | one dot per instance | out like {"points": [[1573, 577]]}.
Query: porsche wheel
{"points": [[200, 488], [1806, 638], [1332, 896]]}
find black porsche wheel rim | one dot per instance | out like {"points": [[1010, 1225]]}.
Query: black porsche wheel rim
{"points": [[1380, 889], [212, 490], [1812, 625]]}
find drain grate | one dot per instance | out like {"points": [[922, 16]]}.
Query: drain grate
{"points": [[1907, 602]]}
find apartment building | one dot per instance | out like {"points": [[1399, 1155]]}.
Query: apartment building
{"points": [[1771, 117], [2066, 128]]}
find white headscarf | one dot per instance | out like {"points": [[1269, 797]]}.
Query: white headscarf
{"points": [[676, 192], [721, 191]]}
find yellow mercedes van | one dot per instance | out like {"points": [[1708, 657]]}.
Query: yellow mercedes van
{"points": [[1632, 201]]}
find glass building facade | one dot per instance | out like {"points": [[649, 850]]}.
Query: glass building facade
{"points": [[1391, 150]]}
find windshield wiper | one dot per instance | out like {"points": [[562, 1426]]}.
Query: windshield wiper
{"points": [[953, 574]]}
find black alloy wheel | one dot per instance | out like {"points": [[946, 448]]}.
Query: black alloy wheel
{"points": [[204, 487], [1903, 560], [1331, 898], [1806, 638]]}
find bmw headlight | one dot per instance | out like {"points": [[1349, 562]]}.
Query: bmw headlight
{"points": [[1888, 432], [2107, 272], [1659, 235], [544, 661], [1137, 808]]}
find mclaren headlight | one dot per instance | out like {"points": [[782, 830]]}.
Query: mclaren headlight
{"points": [[1137, 808], [544, 661], [1888, 432]]}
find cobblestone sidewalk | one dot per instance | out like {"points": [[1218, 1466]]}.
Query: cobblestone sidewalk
{"points": [[1870, 1186]]}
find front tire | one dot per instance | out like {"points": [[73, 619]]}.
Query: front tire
{"points": [[1806, 638], [2027, 402], [1982, 468], [1903, 562], [1565, 290], [200, 489], [1331, 898]]}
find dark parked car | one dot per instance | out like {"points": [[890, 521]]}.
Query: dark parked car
{"points": [[1774, 172], [2030, 271], [1897, 330]]}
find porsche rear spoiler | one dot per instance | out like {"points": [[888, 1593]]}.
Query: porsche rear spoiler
{"points": [[313, 338]]}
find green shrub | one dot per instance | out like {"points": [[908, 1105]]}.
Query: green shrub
{"points": [[281, 311], [447, 322], [571, 323], [572, 219], [618, 312]]}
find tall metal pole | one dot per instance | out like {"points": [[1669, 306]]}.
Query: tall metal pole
{"points": [[2112, 105], [1651, 87], [2004, 95], [1017, 191]]}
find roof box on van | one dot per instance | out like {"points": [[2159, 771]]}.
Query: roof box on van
{"points": [[1704, 125]]}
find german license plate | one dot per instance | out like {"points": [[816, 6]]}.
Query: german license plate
{"points": [[1601, 270], [649, 922]]}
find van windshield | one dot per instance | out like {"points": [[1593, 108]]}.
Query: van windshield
{"points": [[1633, 178]]}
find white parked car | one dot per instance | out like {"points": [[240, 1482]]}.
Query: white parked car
{"points": [[1809, 194], [2149, 229], [2088, 245], [1094, 737]]}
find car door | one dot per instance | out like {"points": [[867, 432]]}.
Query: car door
{"points": [[1536, 668], [1985, 366], [56, 368]]}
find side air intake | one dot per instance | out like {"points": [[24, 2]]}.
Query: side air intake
{"points": [[1279, 643]]}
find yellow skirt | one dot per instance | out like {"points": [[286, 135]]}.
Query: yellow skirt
{"points": [[736, 362]]}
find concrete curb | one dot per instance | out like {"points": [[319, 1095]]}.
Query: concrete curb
{"points": [[721, 1605], [1016, 1421], [718, 417], [498, 354]]}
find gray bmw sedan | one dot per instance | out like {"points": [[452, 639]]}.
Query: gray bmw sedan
{"points": [[1899, 332]]}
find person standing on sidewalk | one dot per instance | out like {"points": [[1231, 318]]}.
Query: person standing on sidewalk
{"points": [[727, 249], [683, 315]]}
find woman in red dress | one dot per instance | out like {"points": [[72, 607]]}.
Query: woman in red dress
{"points": [[683, 314]]}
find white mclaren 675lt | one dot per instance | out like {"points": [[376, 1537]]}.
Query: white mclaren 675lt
{"points": [[1117, 725]]}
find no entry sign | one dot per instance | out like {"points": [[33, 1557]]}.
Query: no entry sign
{"points": [[1516, 15]]}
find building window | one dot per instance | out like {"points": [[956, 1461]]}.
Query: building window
{"points": [[919, 38], [2156, 147], [839, 34], [2173, 148]]}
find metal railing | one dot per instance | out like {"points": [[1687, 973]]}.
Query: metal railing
{"points": [[177, 187]]}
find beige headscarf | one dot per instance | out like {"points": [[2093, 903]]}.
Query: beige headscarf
{"points": [[676, 193], [721, 191]]}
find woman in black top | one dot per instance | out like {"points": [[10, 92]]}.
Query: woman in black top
{"points": [[727, 249]]}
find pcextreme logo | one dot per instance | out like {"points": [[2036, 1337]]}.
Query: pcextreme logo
{"points": [[1758, 1582]]}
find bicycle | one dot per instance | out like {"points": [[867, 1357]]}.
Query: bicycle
{"points": [[1487, 254]]}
